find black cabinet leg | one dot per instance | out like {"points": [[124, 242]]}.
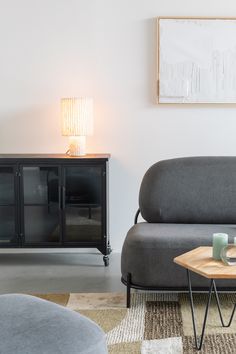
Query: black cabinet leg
{"points": [[128, 289], [106, 260]]}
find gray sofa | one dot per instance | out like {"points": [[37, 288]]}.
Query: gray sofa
{"points": [[183, 202]]}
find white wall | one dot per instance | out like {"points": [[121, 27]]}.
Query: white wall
{"points": [[105, 49]]}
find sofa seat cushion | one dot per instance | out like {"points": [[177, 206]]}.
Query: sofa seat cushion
{"points": [[30, 325], [149, 250]]}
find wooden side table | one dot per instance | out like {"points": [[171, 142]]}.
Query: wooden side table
{"points": [[200, 261]]}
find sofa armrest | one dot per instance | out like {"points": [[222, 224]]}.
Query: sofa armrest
{"points": [[136, 216]]}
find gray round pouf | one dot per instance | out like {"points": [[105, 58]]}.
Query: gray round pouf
{"points": [[29, 325]]}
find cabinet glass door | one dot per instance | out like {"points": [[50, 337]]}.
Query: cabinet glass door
{"points": [[41, 204], [82, 199], [8, 206]]}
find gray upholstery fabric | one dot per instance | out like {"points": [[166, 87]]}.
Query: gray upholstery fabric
{"points": [[149, 249], [190, 190], [29, 325]]}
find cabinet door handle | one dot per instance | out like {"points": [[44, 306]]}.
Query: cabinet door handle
{"points": [[63, 197]]}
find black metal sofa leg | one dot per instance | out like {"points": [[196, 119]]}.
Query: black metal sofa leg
{"points": [[128, 288]]}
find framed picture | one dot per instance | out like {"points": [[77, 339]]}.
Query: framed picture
{"points": [[196, 60]]}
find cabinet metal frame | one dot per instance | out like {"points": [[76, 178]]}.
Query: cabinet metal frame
{"points": [[25, 244], [15, 206], [17, 162], [103, 203]]}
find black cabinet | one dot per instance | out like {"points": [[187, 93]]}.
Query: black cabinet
{"points": [[8, 205], [54, 201]]}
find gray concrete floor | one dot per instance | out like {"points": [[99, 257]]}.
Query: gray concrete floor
{"points": [[58, 273]]}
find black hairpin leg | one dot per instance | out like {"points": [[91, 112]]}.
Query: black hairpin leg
{"points": [[212, 288], [198, 343], [219, 309]]}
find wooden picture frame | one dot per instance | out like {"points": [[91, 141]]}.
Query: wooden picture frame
{"points": [[196, 60]]}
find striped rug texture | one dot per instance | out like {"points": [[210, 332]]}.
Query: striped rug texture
{"points": [[155, 323]]}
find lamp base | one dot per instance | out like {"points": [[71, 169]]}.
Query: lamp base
{"points": [[77, 146]]}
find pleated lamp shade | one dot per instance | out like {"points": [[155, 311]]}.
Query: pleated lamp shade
{"points": [[77, 122], [77, 116]]}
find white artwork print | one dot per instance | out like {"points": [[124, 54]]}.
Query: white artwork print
{"points": [[197, 61]]}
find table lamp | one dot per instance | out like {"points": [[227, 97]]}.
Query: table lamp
{"points": [[77, 122]]}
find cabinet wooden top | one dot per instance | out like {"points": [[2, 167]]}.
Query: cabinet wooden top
{"points": [[54, 156]]}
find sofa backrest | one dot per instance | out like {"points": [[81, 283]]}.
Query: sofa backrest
{"points": [[190, 190]]}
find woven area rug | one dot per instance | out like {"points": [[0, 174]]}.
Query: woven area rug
{"points": [[155, 323]]}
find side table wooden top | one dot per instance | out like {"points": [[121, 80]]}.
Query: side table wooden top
{"points": [[200, 261]]}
